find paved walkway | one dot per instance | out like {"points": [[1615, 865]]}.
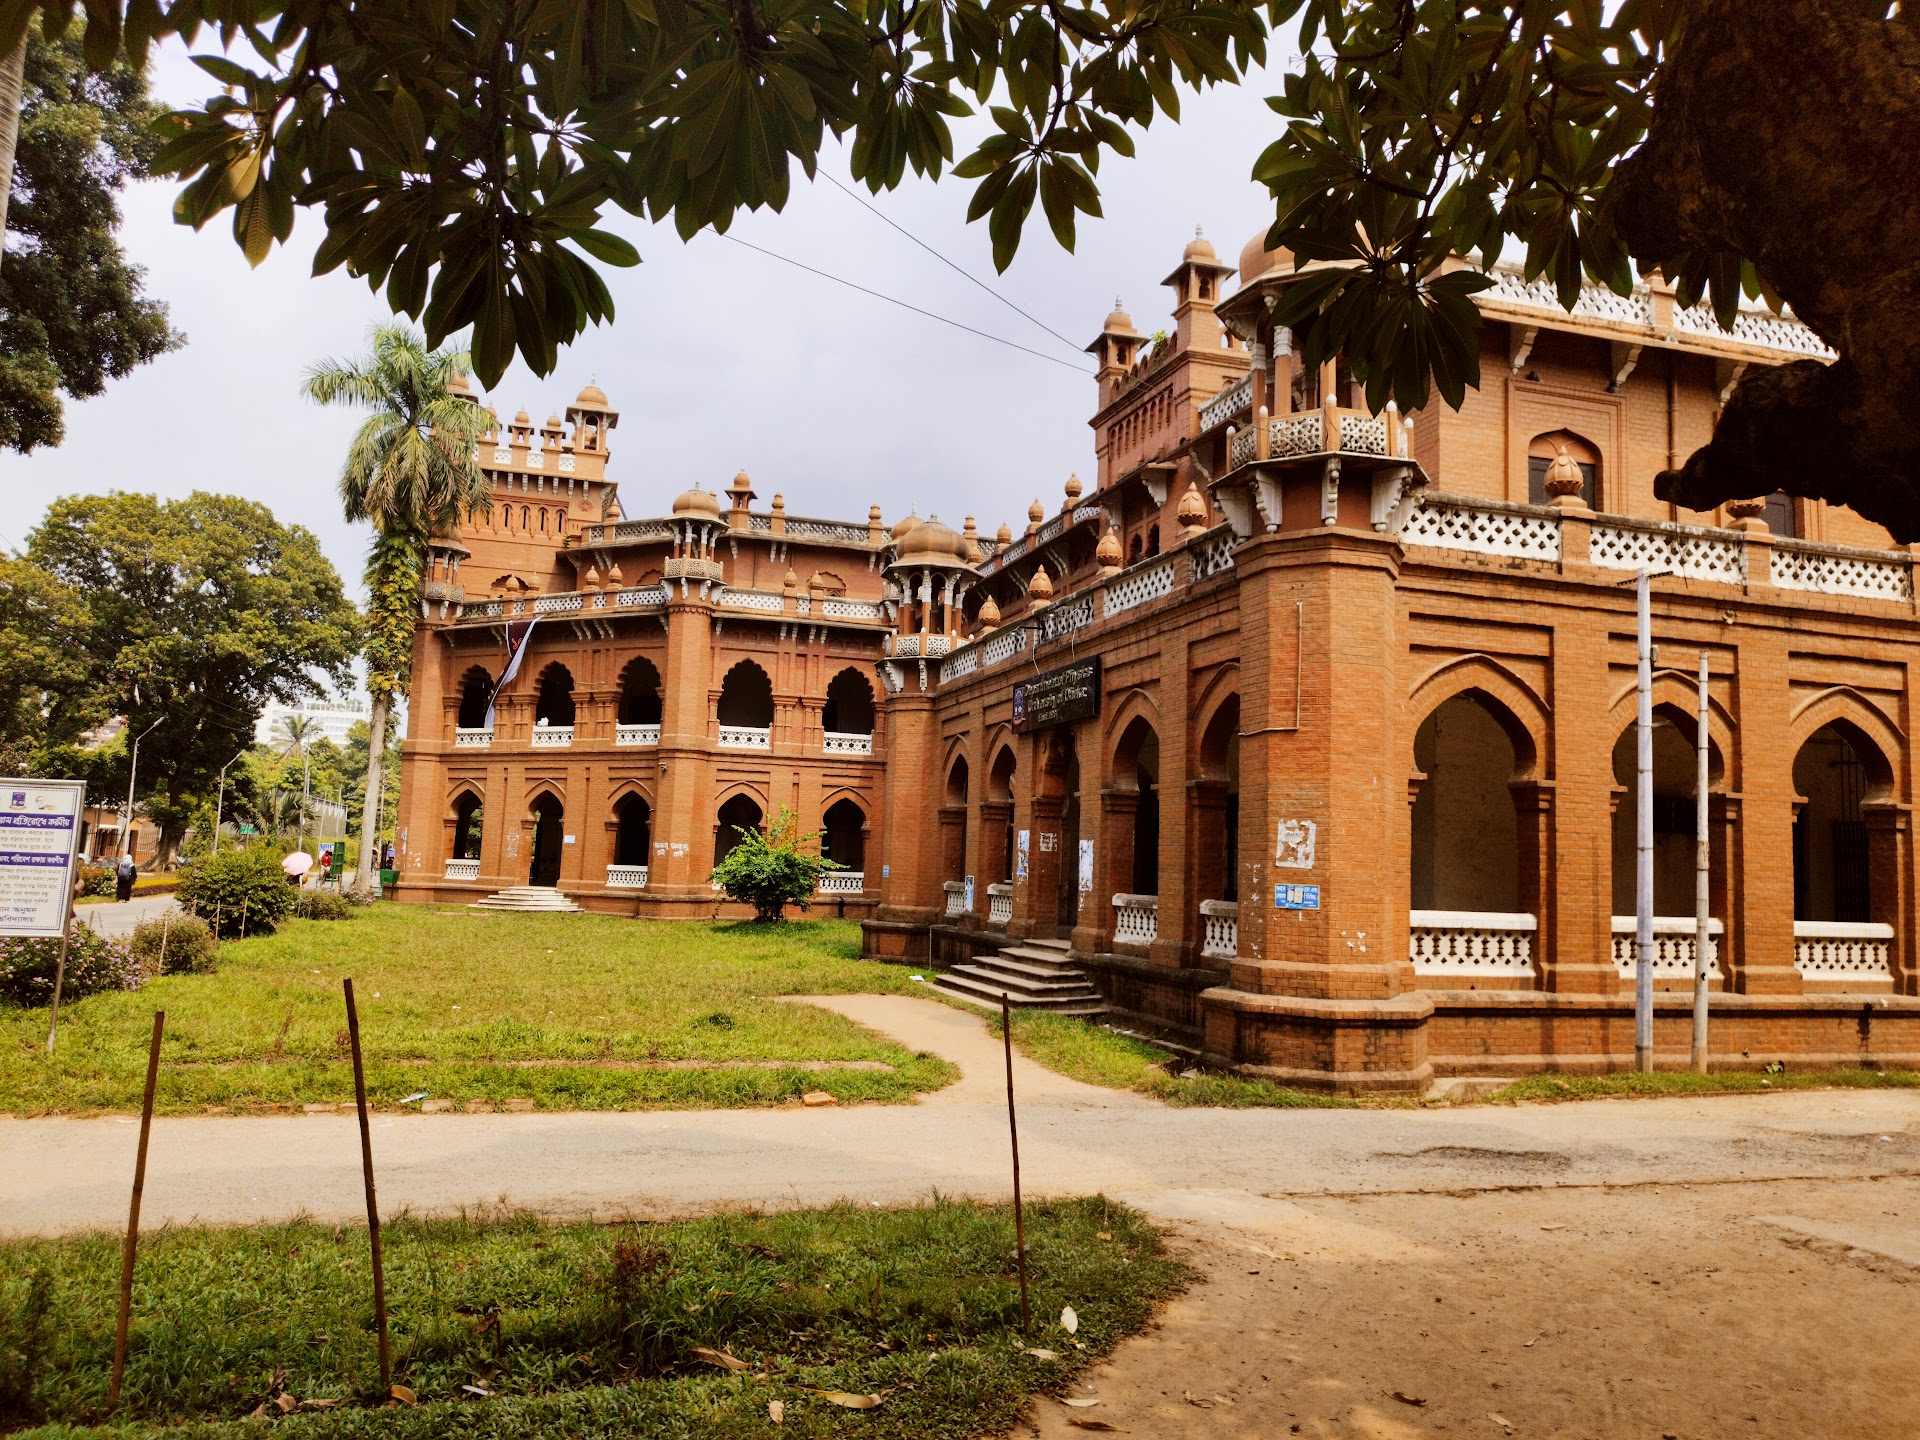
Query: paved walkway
{"points": [[1219, 1165], [116, 918]]}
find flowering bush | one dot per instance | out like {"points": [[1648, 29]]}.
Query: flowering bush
{"points": [[96, 880], [94, 964]]}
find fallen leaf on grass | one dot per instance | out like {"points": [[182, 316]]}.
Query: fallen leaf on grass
{"points": [[403, 1395], [1080, 1404], [1079, 1424], [318, 1404], [1069, 1321], [776, 1410], [1035, 1350], [849, 1402], [1108, 1234], [479, 1390], [285, 1404], [1406, 1399], [720, 1358]]}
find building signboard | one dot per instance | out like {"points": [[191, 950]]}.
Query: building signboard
{"points": [[1296, 897], [39, 835], [1059, 697]]}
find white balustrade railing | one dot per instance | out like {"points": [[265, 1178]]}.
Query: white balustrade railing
{"points": [[961, 663], [642, 595], [842, 742], [1213, 556], [557, 604], [766, 600], [552, 737], [626, 877], [956, 897], [1228, 403], [1832, 570], [746, 737], [999, 904], [1004, 645], [842, 882], [463, 870], [476, 738], [1136, 919], [1295, 434], [1124, 592], [1673, 937], [1472, 942], [636, 734], [1219, 929], [1483, 527], [1686, 550], [1842, 950], [1066, 617], [835, 607]]}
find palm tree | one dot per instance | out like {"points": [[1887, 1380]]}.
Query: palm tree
{"points": [[411, 471], [297, 731]]}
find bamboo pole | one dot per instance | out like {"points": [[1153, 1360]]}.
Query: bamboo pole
{"points": [[1013, 1134], [133, 1216], [373, 1206]]}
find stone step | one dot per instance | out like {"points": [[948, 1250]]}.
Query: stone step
{"points": [[1046, 944], [1053, 960], [1011, 962], [528, 899], [987, 997], [1021, 981]]}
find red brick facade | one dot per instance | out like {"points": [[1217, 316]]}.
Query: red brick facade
{"points": [[1347, 802]]}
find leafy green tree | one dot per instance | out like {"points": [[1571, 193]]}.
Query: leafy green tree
{"points": [[772, 871], [411, 472], [73, 312], [199, 611], [43, 668]]}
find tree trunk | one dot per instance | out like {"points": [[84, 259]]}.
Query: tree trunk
{"points": [[370, 807], [13, 79]]}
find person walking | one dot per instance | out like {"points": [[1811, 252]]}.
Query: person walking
{"points": [[123, 878]]}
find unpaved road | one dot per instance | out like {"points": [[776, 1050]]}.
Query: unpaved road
{"points": [[1740, 1266]]}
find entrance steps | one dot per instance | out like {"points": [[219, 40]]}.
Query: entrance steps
{"points": [[1033, 975], [528, 899]]}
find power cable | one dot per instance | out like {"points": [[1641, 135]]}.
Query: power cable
{"points": [[998, 340], [958, 270]]}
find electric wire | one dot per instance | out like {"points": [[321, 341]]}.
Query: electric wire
{"points": [[891, 300], [957, 269]]}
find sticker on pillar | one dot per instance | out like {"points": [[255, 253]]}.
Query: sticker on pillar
{"points": [[1049, 842], [1020, 855], [1296, 897], [1294, 848], [568, 839], [886, 872], [969, 894], [1086, 867]]}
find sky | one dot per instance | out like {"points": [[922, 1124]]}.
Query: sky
{"points": [[718, 359]]}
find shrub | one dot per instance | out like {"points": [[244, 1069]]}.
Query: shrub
{"points": [[96, 880], [175, 945], [775, 870], [94, 963], [323, 905], [239, 891]]}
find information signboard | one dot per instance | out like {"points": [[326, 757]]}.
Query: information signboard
{"points": [[39, 846], [1058, 697]]}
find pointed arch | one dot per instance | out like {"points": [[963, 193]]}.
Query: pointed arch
{"points": [[476, 689], [849, 707], [1873, 735], [1676, 697], [1511, 701], [553, 696], [630, 786], [746, 697], [534, 789]]}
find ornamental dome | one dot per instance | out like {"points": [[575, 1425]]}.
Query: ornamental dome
{"points": [[1193, 509], [1199, 248], [904, 526], [930, 540], [592, 395], [1256, 259], [458, 385], [1041, 586], [1119, 319], [1004, 535], [1074, 488], [697, 504]]}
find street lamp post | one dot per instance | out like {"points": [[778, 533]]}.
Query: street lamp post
{"points": [[133, 771], [219, 804]]}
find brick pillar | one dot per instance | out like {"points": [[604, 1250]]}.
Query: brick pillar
{"points": [[1174, 941], [1113, 836], [911, 894], [1533, 835], [1206, 819], [683, 815], [1579, 860], [1324, 996], [1768, 802], [499, 826], [1890, 884], [1725, 899]]}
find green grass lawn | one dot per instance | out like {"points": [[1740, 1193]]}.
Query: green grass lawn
{"points": [[569, 1012], [512, 1327], [1685, 1082]]}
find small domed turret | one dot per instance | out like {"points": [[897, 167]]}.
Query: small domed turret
{"points": [[697, 504], [1004, 534], [1073, 489], [1199, 248], [1036, 512]]}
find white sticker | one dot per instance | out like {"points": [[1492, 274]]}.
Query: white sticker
{"points": [[1294, 848]]}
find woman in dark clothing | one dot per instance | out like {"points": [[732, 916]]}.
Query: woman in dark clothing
{"points": [[123, 878]]}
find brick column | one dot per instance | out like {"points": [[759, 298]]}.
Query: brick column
{"points": [[1113, 839], [1768, 801], [1321, 996], [1205, 818], [1577, 955], [1533, 834], [1889, 883], [911, 894], [682, 815]]}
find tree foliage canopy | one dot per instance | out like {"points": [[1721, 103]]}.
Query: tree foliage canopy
{"points": [[73, 312], [773, 870]]}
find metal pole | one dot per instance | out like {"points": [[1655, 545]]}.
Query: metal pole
{"points": [[60, 969], [1013, 1133], [133, 1216], [373, 1206], [1701, 921], [1643, 843], [133, 769], [220, 803]]}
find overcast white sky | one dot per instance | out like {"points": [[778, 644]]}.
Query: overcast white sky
{"points": [[718, 358]]}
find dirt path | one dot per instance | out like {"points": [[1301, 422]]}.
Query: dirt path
{"points": [[1747, 1310]]}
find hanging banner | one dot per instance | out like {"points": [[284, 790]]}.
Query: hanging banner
{"points": [[518, 633], [39, 848]]}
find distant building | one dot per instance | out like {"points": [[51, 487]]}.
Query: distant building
{"points": [[333, 719]]}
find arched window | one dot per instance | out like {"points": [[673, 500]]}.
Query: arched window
{"points": [[1134, 548], [1782, 515], [1136, 766], [633, 830], [1831, 874], [739, 813], [1000, 792], [1218, 832], [957, 781], [476, 688], [1675, 778], [1465, 831], [1542, 450], [554, 704], [1153, 540], [639, 696], [466, 826], [849, 707], [746, 698], [845, 840]]}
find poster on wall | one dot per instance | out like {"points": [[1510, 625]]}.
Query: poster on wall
{"points": [[1293, 849], [1020, 855], [969, 895], [39, 841], [1086, 867]]}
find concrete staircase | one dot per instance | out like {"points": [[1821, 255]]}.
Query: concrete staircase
{"points": [[1033, 974], [528, 900]]}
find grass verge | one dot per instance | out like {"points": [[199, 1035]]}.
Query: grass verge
{"points": [[571, 1012], [1685, 1082], [1096, 1055], [512, 1327]]}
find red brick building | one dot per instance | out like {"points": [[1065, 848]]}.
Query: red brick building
{"points": [[1308, 730]]}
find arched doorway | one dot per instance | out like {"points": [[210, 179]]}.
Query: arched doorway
{"points": [[1832, 866], [1000, 803], [1675, 779], [1217, 801], [845, 839], [549, 826], [746, 701], [954, 827], [467, 818], [1466, 850], [1136, 768], [737, 814], [633, 830], [847, 716], [553, 705], [476, 688], [639, 693]]}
